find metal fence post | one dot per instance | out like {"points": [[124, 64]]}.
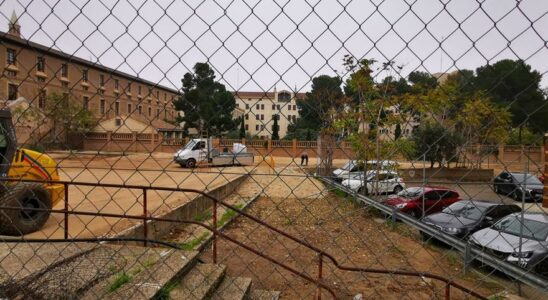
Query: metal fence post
{"points": [[214, 233], [66, 220], [145, 213]]}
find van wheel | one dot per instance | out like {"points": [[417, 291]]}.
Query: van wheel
{"points": [[18, 222], [414, 213], [191, 163], [363, 191], [397, 189]]}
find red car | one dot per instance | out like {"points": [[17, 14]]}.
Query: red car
{"points": [[410, 200]]}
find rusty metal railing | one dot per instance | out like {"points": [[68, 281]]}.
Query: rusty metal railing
{"points": [[215, 202]]}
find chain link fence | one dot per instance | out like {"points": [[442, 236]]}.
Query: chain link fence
{"points": [[273, 149]]}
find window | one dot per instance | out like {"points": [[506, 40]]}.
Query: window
{"points": [[85, 88], [64, 84], [294, 118], [86, 102], [139, 90], [102, 106], [40, 79], [11, 57], [262, 106], [140, 109], [278, 107], [85, 75], [247, 116], [257, 117], [64, 70], [257, 127], [258, 106], [247, 106], [118, 122], [40, 64], [150, 111], [129, 87], [42, 99], [165, 97], [100, 92], [116, 94], [157, 112], [262, 127], [11, 73], [116, 84], [262, 117], [117, 108], [284, 96], [102, 80], [12, 92], [129, 108], [273, 106]]}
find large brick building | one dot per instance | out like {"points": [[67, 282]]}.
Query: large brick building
{"points": [[261, 108], [34, 71]]}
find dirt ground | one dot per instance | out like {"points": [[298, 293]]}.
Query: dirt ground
{"points": [[355, 237]]}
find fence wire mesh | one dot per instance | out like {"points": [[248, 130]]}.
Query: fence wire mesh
{"points": [[255, 149]]}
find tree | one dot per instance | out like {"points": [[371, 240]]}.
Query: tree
{"points": [[316, 110], [397, 131], [242, 128], [275, 128], [206, 103], [513, 84], [422, 81], [68, 116], [434, 143]]}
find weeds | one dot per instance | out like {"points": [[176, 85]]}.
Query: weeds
{"points": [[229, 214], [190, 245], [120, 279], [203, 216]]}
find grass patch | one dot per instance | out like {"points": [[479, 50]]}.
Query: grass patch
{"points": [[203, 216], [339, 193], [163, 293], [229, 214], [391, 224], [190, 245], [120, 279], [452, 258]]}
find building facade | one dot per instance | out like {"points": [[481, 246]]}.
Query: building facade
{"points": [[260, 109], [34, 71]]}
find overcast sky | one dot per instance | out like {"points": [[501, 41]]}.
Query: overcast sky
{"points": [[256, 45]]}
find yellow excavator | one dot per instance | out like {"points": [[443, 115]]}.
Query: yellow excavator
{"points": [[23, 164]]}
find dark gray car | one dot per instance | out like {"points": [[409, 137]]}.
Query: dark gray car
{"points": [[463, 218], [517, 185], [503, 240]]}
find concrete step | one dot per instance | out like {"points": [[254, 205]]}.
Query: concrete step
{"points": [[233, 288], [200, 283], [255, 294], [132, 260], [155, 279]]}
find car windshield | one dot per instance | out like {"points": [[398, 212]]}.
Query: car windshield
{"points": [[465, 209], [411, 192], [530, 229], [190, 145], [526, 179], [349, 165]]}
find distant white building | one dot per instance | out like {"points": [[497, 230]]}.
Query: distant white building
{"points": [[260, 109]]}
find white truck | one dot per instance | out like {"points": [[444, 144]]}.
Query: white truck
{"points": [[202, 151]]}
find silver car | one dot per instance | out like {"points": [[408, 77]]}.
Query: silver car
{"points": [[503, 240]]}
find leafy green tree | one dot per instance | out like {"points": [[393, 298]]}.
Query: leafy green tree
{"points": [[275, 128], [206, 103], [316, 110], [242, 128], [397, 131], [513, 84], [435, 143], [422, 81]]}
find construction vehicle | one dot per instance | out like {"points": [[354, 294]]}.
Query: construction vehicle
{"points": [[199, 151], [19, 165]]}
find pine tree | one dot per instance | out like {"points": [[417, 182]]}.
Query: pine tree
{"points": [[242, 128], [275, 128]]}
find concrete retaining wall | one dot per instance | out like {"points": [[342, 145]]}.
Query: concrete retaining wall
{"points": [[186, 212]]}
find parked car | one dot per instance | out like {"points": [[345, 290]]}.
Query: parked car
{"points": [[516, 185], [376, 183], [358, 169], [503, 240], [463, 218], [410, 200]]}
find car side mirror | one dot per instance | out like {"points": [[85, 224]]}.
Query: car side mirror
{"points": [[489, 220]]}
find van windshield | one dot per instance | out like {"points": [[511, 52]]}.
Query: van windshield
{"points": [[349, 165], [190, 145]]}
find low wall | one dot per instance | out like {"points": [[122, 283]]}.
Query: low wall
{"points": [[185, 212], [452, 174]]}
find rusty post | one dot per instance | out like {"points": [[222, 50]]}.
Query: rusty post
{"points": [[66, 210], [447, 291], [320, 275], [145, 227], [214, 234]]}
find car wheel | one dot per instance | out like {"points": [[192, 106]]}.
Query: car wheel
{"points": [[515, 196], [542, 268], [191, 163], [496, 189], [397, 189], [415, 214]]}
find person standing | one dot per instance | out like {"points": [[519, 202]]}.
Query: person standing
{"points": [[304, 158]]}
